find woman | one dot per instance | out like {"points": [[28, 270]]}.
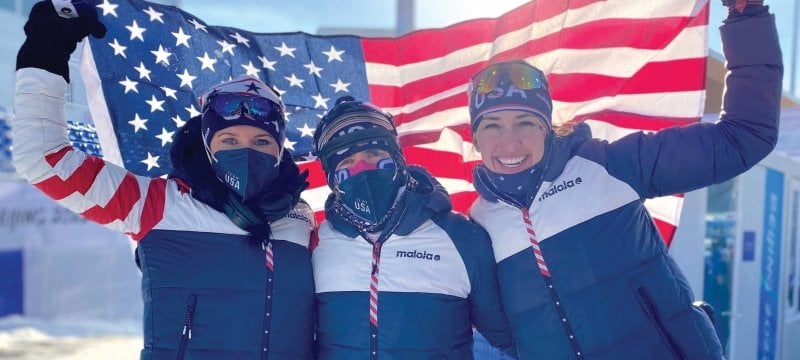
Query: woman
{"points": [[583, 271], [398, 274], [222, 243]]}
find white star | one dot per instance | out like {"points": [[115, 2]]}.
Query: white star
{"points": [[250, 69], [169, 92], [320, 101], [192, 111], [151, 161], [138, 123], [165, 136], [155, 104], [181, 38], [266, 64], [136, 31], [313, 69], [309, 157], [186, 78], [162, 55], [108, 8], [279, 91], [178, 121], [143, 71], [306, 131], [129, 85], [285, 50], [340, 86], [288, 144], [208, 63], [241, 39], [294, 81], [118, 49], [226, 46], [333, 54], [198, 25], [154, 15]]}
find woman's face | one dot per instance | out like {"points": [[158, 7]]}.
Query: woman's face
{"points": [[510, 141], [244, 136]]}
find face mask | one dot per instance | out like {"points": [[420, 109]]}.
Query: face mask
{"points": [[245, 171], [369, 194]]}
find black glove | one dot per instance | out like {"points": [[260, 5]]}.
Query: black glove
{"points": [[739, 8], [52, 38]]}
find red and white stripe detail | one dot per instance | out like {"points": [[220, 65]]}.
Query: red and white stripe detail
{"points": [[537, 251], [373, 284], [269, 257]]}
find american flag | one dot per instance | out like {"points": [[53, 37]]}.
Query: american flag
{"points": [[621, 66]]}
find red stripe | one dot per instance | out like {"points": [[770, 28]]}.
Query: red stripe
{"points": [[430, 44], [445, 164], [153, 209], [666, 229], [80, 180], [55, 157], [120, 205]]}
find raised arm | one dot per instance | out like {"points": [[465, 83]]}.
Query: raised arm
{"points": [[687, 158]]}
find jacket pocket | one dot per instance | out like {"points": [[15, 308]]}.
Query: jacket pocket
{"points": [[186, 333], [652, 313]]}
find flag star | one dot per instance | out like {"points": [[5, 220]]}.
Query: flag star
{"points": [[266, 64], [207, 62], [288, 144], [118, 49], [279, 91], [294, 81], [309, 157], [178, 121], [129, 85], [340, 86], [136, 31], [198, 25], [313, 69], [285, 50], [192, 111], [226, 46], [143, 71], [250, 69], [333, 54], [151, 161], [165, 136], [320, 101], [138, 123], [162, 55], [241, 39], [502, 178], [181, 38], [186, 78], [108, 8], [155, 104], [306, 131], [169, 92], [519, 187], [154, 15]]}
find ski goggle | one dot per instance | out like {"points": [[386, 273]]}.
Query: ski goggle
{"points": [[522, 75], [231, 106], [361, 166]]}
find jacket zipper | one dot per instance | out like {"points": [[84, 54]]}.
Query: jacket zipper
{"points": [[186, 334], [652, 313]]}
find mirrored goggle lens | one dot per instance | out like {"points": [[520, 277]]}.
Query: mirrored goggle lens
{"points": [[522, 76], [229, 104]]}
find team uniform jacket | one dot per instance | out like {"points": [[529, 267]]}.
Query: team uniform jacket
{"points": [[583, 270], [434, 276], [210, 290]]}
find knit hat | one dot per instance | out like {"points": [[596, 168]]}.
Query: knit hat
{"points": [[352, 126], [242, 101], [509, 85]]}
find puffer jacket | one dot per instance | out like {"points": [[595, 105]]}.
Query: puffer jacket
{"points": [[210, 289], [583, 271], [433, 277]]}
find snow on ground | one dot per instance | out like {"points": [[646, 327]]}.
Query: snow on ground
{"points": [[31, 339]]}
